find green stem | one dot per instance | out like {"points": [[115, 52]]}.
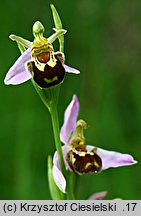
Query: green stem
{"points": [[50, 99], [70, 186], [55, 123]]}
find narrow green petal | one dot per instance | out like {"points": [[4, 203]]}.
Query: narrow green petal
{"points": [[57, 20], [21, 40], [58, 34], [58, 26]]}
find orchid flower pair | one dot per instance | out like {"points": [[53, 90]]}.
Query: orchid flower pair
{"points": [[47, 68], [39, 61], [80, 157]]}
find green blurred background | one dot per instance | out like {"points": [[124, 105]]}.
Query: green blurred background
{"points": [[104, 42]]}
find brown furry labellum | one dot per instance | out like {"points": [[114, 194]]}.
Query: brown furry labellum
{"points": [[49, 76], [83, 162]]}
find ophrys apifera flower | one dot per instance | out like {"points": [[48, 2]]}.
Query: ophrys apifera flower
{"points": [[39, 61], [79, 157]]}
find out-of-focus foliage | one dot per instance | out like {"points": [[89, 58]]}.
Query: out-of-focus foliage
{"points": [[104, 42]]}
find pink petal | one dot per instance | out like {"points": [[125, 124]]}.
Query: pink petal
{"points": [[70, 118], [57, 174], [71, 70], [98, 196], [112, 158], [18, 74]]}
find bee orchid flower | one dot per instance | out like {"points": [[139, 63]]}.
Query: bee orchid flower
{"points": [[39, 61], [79, 157]]}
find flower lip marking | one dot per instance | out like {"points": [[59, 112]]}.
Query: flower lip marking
{"points": [[49, 76], [83, 162]]}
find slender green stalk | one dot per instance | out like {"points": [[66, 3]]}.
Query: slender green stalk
{"points": [[70, 185], [55, 123], [50, 99]]}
